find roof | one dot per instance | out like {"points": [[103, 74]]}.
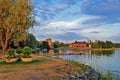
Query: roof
{"points": [[79, 42]]}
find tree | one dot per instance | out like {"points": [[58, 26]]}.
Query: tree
{"points": [[44, 45], [31, 41], [102, 44], [56, 44], [15, 19]]}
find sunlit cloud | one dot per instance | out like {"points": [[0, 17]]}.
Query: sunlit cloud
{"points": [[77, 19]]}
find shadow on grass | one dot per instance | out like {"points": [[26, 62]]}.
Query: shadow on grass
{"points": [[24, 63]]}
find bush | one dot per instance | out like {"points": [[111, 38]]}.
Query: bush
{"points": [[11, 53], [26, 52], [18, 51]]}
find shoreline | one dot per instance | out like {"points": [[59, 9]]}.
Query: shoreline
{"points": [[75, 48], [56, 68], [104, 49]]}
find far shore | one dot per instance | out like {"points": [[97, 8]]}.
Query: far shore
{"points": [[76, 48]]}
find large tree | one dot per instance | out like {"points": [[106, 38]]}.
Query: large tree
{"points": [[15, 19], [31, 41]]}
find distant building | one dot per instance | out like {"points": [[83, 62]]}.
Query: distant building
{"points": [[79, 44], [49, 40]]}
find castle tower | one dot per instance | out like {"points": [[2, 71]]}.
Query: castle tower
{"points": [[49, 42]]}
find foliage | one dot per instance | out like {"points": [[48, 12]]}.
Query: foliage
{"points": [[24, 63], [57, 44], [26, 52], [31, 41], [117, 45], [44, 45], [106, 76], [11, 53], [18, 51], [83, 68], [102, 44], [15, 19], [21, 44]]}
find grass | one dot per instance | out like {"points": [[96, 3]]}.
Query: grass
{"points": [[6, 71], [13, 69], [83, 68], [24, 63]]}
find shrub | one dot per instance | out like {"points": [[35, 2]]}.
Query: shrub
{"points": [[11, 53], [26, 52], [18, 51]]}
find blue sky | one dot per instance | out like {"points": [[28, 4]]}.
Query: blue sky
{"points": [[70, 20]]}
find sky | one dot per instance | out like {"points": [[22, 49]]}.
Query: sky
{"points": [[77, 20]]}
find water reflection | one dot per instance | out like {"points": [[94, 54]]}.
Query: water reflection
{"points": [[58, 52], [103, 52], [101, 60]]}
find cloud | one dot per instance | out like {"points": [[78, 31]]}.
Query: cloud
{"points": [[115, 38], [69, 2], [71, 36], [88, 31], [78, 23], [59, 7], [75, 12], [109, 10], [48, 9], [66, 29], [103, 8], [71, 19]]}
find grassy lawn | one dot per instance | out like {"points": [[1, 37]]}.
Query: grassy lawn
{"points": [[39, 61], [43, 68], [23, 71]]}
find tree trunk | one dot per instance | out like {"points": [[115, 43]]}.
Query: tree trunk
{"points": [[4, 41], [4, 46], [3, 50]]}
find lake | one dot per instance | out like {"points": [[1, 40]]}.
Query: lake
{"points": [[103, 61]]}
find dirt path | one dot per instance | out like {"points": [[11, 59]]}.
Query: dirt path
{"points": [[52, 69]]}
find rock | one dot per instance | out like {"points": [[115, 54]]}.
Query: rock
{"points": [[78, 76], [95, 76], [70, 76], [87, 73]]}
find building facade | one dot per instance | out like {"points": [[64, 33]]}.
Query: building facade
{"points": [[79, 44]]}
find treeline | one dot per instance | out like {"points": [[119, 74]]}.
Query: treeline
{"points": [[34, 44], [117, 45], [102, 44], [57, 44]]}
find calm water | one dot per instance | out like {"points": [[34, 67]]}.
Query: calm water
{"points": [[100, 60]]}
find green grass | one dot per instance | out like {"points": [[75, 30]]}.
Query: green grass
{"points": [[83, 68], [24, 63]]}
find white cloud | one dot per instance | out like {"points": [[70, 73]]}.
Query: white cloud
{"points": [[86, 31], [78, 23], [61, 27], [59, 7]]}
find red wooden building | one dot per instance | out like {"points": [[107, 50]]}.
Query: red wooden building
{"points": [[79, 44]]}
